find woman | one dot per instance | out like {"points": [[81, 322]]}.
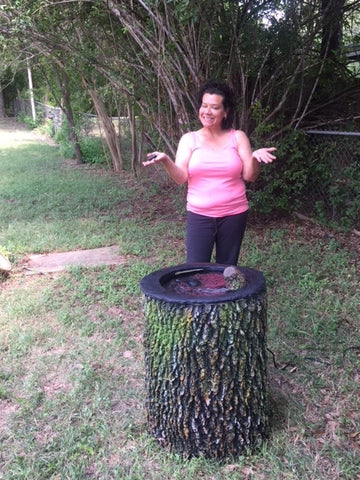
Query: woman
{"points": [[215, 161]]}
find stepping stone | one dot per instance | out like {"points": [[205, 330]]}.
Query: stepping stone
{"points": [[56, 262]]}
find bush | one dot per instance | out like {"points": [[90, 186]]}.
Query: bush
{"points": [[46, 127], [92, 148], [93, 151], [27, 120], [282, 183], [62, 138], [334, 186], [318, 176], [342, 206]]}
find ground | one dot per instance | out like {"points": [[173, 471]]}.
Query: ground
{"points": [[286, 385], [12, 132]]}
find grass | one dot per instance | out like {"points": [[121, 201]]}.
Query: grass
{"points": [[71, 354]]}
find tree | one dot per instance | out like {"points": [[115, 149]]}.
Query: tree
{"points": [[2, 103], [110, 133], [153, 55], [63, 84]]}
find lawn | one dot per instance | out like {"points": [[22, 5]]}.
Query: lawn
{"points": [[71, 343]]}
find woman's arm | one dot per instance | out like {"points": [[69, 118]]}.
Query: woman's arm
{"points": [[251, 160], [177, 170]]}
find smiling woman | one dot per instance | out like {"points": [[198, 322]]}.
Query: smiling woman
{"points": [[215, 161]]}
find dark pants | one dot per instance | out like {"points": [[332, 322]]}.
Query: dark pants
{"points": [[202, 233]]}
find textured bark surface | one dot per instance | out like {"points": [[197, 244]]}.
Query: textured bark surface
{"points": [[206, 375]]}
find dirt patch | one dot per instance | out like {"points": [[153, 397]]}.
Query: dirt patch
{"points": [[13, 133], [7, 409]]}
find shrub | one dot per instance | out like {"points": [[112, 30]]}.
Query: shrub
{"points": [[318, 176], [46, 127], [62, 138], [342, 208], [282, 183], [93, 150], [27, 120], [334, 187]]}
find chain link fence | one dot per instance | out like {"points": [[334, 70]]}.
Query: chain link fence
{"points": [[43, 111], [91, 125], [333, 194]]}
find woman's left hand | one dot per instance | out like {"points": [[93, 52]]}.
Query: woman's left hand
{"points": [[264, 155]]}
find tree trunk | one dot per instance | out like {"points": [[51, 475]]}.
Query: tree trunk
{"points": [[109, 129], [72, 131], [2, 103], [206, 375], [63, 85], [332, 21], [134, 145]]}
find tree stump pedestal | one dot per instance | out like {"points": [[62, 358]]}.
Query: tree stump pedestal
{"points": [[205, 360]]}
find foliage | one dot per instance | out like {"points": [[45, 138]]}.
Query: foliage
{"points": [[93, 151], [28, 120], [320, 176], [46, 127], [12, 83], [338, 198], [147, 60], [281, 185], [153, 56], [92, 148], [62, 137], [344, 194]]}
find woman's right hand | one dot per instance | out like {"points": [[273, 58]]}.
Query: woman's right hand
{"points": [[176, 170], [153, 158]]}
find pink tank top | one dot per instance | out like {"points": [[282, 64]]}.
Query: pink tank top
{"points": [[215, 184]]}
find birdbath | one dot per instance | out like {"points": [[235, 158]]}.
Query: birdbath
{"points": [[205, 360]]}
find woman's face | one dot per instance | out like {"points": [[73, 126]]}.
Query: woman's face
{"points": [[212, 111]]}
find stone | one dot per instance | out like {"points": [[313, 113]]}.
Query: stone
{"points": [[234, 278]]}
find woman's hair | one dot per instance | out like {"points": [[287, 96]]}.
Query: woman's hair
{"points": [[228, 100]]}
